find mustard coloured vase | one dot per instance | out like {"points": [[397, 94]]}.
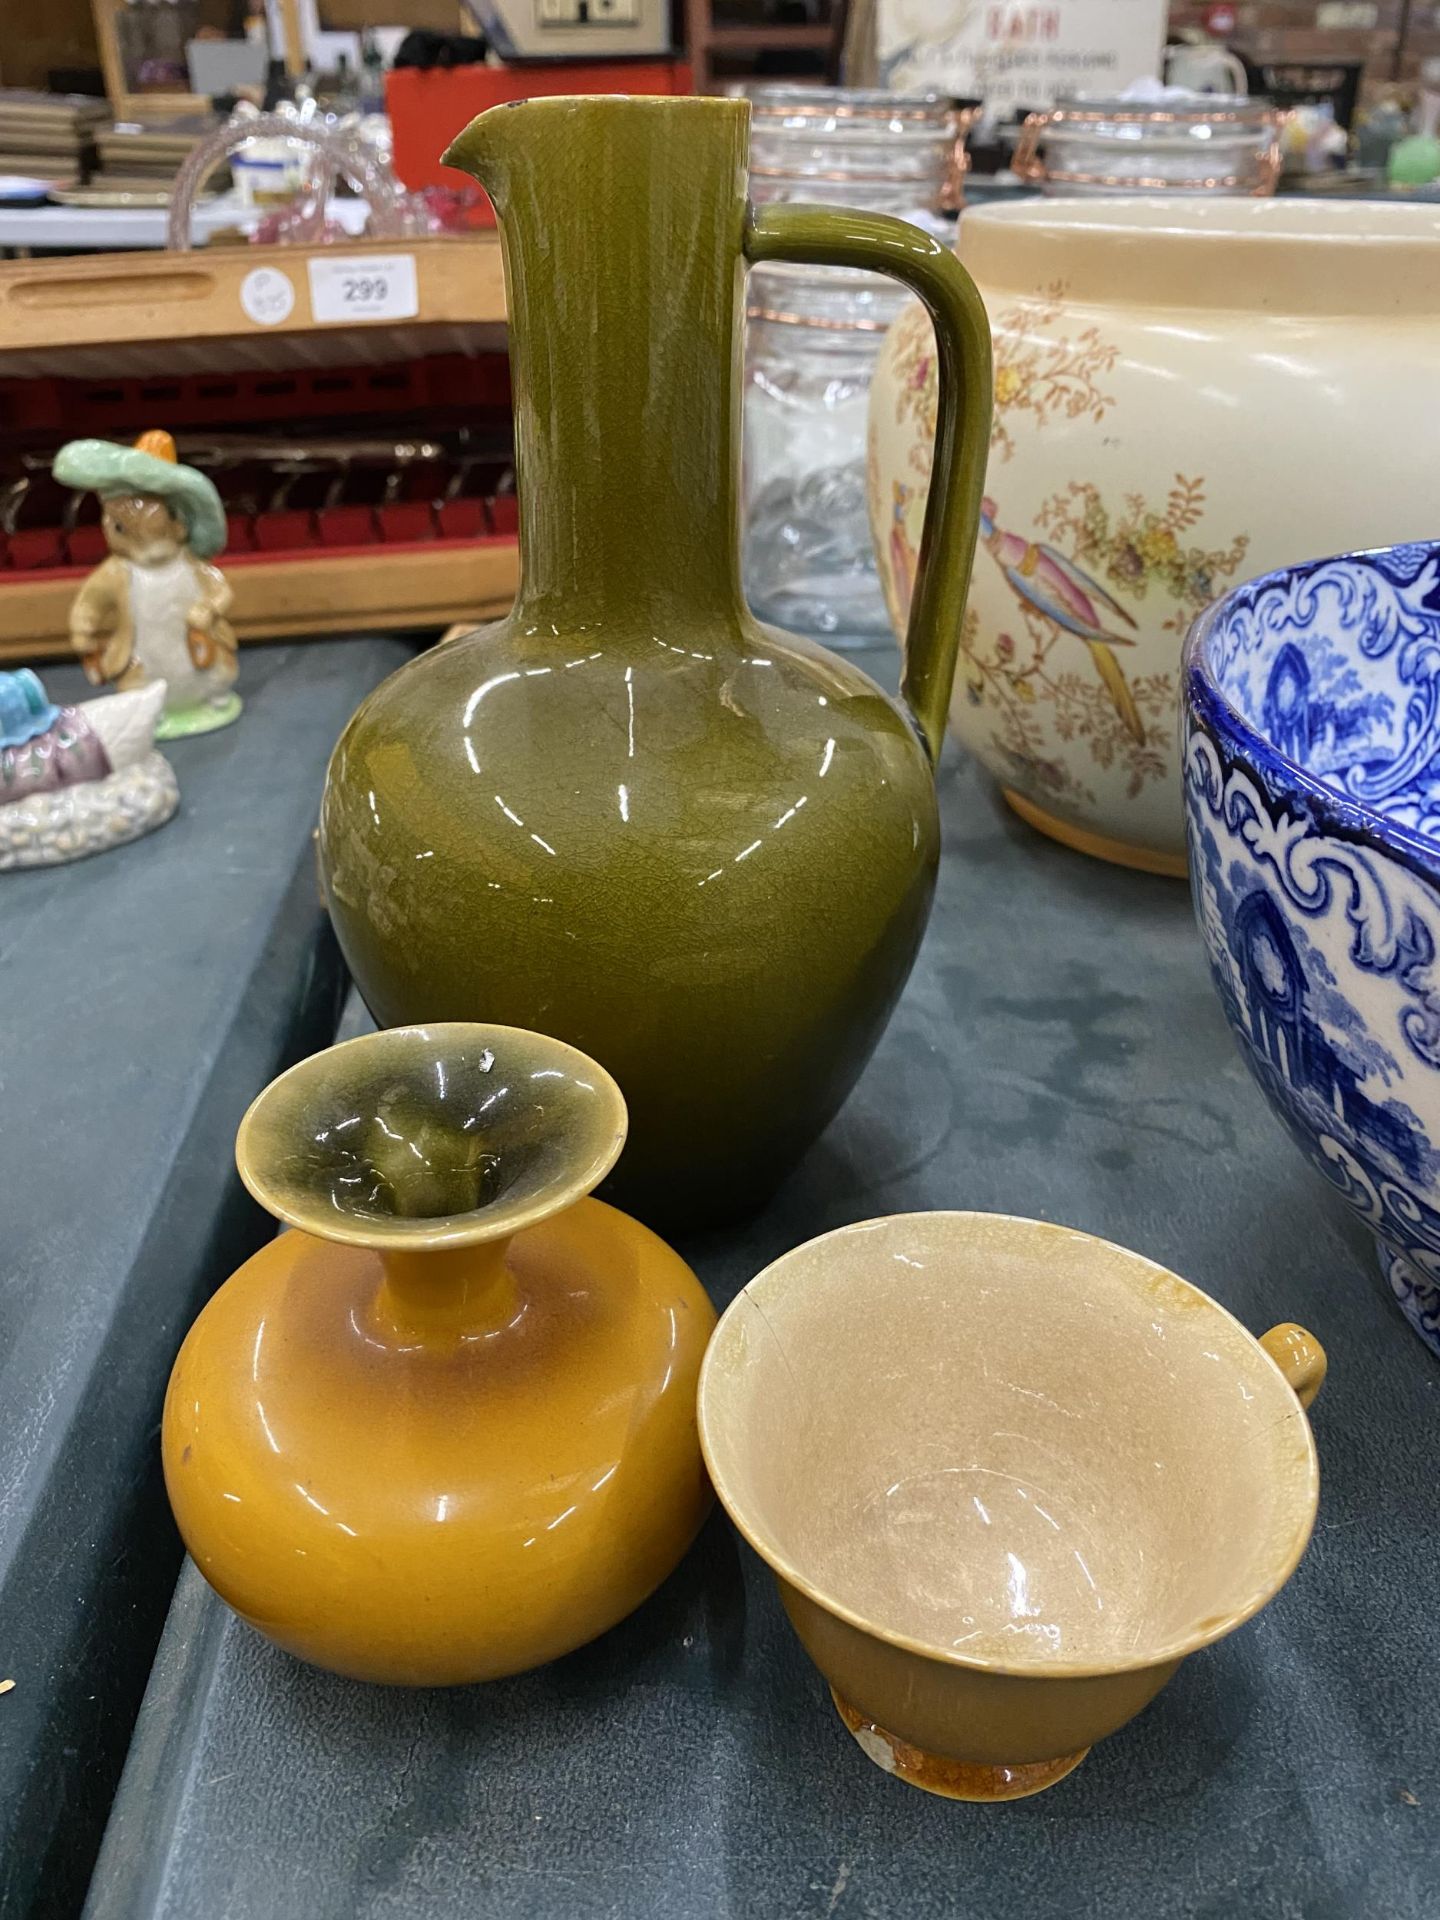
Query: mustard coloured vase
{"points": [[445, 1429], [701, 850]]}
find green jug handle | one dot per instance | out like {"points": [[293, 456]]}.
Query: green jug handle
{"points": [[838, 237]]}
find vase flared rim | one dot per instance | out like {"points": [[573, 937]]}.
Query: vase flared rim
{"points": [[550, 1146]]}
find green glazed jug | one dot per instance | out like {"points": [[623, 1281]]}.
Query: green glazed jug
{"points": [[628, 814]]}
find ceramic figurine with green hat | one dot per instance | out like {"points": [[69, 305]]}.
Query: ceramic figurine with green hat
{"points": [[155, 609]]}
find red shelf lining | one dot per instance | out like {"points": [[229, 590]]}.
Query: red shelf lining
{"points": [[455, 385], [43, 575], [34, 553]]}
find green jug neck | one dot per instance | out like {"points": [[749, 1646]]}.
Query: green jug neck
{"points": [[622, 223]]}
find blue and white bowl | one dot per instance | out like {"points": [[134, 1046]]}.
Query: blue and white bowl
{"points": [[1312, 803]]}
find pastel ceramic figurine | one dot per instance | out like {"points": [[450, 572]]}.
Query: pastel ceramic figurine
{"points": [[76, 780], [155, 610], [445, 1429]]}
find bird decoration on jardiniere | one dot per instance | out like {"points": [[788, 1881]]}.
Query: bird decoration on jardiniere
{"points": [[1043, 578]]}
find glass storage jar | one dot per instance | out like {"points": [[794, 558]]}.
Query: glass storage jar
{"points": [[1191, 143], [811, 344]]}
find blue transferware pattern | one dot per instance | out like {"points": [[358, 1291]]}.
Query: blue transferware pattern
{"points": [[1312, 791]]}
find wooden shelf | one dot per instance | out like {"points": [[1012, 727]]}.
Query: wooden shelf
{"points": [[705, 39], [770, 39], [373, 590], [147, 314]]}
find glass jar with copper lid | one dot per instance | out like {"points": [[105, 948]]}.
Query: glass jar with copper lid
{"points": [[811, 343], [1173, 143]]}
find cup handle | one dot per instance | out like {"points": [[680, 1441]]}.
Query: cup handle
{"points": [[1299, 1356], [838, 237]]}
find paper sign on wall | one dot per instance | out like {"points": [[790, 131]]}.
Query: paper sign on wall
{"points": [[1018, 53], [363, 286]]}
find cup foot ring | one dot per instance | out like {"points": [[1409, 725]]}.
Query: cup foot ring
{"points": [[951, 1779], [1098, 845]]}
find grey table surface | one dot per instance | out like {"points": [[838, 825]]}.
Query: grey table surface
{"points": [[1058, 1052], [147, 994]]}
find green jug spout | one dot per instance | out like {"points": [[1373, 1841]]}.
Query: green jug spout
{"points": [[486, 147]]}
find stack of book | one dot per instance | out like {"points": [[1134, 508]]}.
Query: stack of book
{"points": [[137, 157], [49, 136]]}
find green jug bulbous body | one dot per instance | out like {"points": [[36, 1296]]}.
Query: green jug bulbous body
{"points": [[709, 867]]}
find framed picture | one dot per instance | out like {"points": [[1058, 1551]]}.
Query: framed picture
{"points": [[142, 55]]}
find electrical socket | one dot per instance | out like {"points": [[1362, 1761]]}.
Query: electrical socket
{"points": [[587, 13]]}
